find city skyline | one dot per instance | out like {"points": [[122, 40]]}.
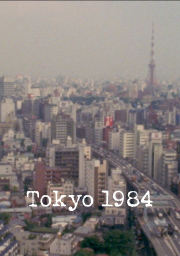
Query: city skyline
{"points": [[89, 39]]}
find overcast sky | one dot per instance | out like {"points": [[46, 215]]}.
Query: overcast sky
{"points": [[89, 39]]}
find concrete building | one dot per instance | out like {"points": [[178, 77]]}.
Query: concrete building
{"points": [[98, 132], [7, 87], [63, 126], [66, 187], [42, 175], [132, 117], [155, 155], [169, 167], [114, 140], [42, 131], [64, 246], [7, 107], [9, 246], [69, 159], [50, 110], [96, 180], [90, 132], [170, 117], [126, 147], [142, 158]]}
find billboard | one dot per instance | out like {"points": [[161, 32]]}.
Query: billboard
{"points": [[108, 121], [156, 136]]}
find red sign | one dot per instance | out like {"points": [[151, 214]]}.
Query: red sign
{"points": [[109, 121]]}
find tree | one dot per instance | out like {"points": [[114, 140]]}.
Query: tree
{"points": [[83, 253], [6, 187], [86, 215], [5, 217], [92, 242], [119, 241], [29, 148], [15, 189], [25, 188], [49, 220]]}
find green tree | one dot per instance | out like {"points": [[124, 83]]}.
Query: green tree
{"points": [[119, 241], [5, 217], [92, 242], [83, 253], [25, 188], [49, 220], [15, 189], [6, 187], [86, 215], [29, 148]]}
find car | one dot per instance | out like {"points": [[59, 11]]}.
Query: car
{"points": [[158, 234], [160, 215]]}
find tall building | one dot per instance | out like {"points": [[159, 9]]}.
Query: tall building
{"points": [[50, 110], [113, 142], [169, 167], [7, 86], [155, 155], [63, 126], [142, 158], [7, 107], [96, 180], [126, 147]]}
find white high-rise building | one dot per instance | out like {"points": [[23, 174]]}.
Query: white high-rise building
{"points": [[126, 148]]}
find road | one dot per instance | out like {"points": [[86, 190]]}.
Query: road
{"points": [[163, 201]]}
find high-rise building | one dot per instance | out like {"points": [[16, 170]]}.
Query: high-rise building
{"points": [[113, 142], [169, 167], [7, 107], [50, 110], [126, 146], [142, 158], [7, 86], [63, 126], [96, 180], [155, 155]]}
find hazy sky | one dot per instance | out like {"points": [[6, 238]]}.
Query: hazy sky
{"points": [[89, 39]]}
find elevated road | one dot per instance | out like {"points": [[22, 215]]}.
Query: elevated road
{"points": [[164, 204]]}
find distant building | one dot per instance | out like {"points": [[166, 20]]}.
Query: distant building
{"points": [[169, 167], [7, 107], [50, 110], [155, 155], [63, 126], [7, 86]]}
